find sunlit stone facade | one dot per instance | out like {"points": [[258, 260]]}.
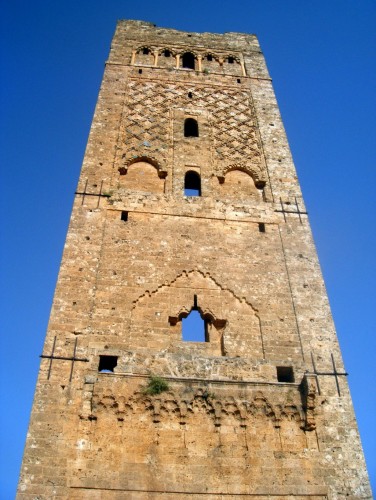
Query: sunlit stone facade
{"points": [[188, 200]]}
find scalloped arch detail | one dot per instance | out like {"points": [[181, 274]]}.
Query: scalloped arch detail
{"points": [[234, 57], [147, 159], [254, 171], [138, 50], [171, 51], [193, 52], [186, 274]]}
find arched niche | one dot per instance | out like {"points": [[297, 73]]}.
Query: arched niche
{"points": [[210, 63], [231, 65], [238, 184], [144, 56], [141, 176], [166, 58]]}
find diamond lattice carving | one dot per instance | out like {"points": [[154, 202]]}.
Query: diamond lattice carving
{"points": [[146, 128]]}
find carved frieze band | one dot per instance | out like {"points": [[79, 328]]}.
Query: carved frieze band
{"points": [[171, 405]]}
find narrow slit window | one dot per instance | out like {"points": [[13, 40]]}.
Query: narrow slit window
{"points": [[192, 184], [261, 227], [107, 364], [190, 127], [124, 216], [209, 57], [188, 60], [230, 60], [285, 374], [167, 53], [194, 328], [145, 51]]}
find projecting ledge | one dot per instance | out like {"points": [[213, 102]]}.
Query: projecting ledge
{"points": [[205, 380], [288, 491]]}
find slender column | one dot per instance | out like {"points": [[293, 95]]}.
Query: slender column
{"points": [[199, 60], [243, 67], [156, 58], [177, 61], [133, 56]]}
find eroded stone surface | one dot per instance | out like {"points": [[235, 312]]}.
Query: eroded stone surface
{"points": [[253, 412]]}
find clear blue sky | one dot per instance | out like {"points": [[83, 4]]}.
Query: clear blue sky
{"points": [[321, 56]]}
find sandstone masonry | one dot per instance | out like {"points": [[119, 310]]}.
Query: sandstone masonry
{"points": [[188, 203]]}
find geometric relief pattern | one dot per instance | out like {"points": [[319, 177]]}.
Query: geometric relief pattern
{"points": [[146, 126], [170, 405]]}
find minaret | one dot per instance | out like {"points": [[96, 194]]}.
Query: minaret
{"points": [[188, 207]]}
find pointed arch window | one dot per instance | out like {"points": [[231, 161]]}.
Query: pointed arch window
{"points": [[192, 184], [195, 328], [188, 60], [190, 127]]}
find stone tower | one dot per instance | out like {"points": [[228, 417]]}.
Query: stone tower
{"points": [[188, 205]]}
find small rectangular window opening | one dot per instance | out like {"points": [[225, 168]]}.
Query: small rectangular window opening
{"points": [[285, 374], [107, 364], [124, 216], [231, 60], [261, 227]]}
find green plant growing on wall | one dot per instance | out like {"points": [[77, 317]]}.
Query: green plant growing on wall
{"points": [[156, 385]]}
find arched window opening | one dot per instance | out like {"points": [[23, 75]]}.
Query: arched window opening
{"points": [[194, 328], [188, 60], [190, 127], [192, 184]]}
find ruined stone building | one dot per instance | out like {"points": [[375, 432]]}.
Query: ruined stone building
{"points": [[188, 205]]}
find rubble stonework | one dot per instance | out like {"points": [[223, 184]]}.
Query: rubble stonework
{"points": [[260, 407]]}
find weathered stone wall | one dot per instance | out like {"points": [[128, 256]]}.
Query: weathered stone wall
{"points": [[262, 407]]}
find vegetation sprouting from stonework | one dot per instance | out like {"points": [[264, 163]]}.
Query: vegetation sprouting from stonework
{"points": [[156, 385]]}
